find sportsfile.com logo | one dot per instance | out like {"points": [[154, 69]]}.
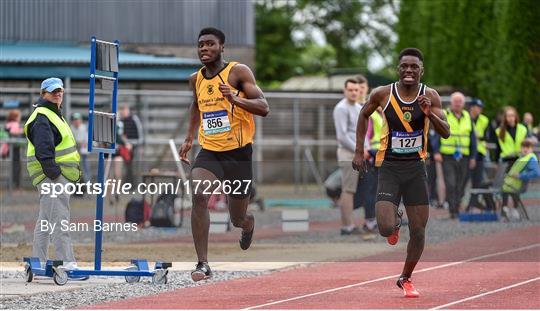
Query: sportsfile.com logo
{"points": [[117, 187]]}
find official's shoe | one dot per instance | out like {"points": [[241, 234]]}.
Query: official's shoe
{"points": [[353, 231]]}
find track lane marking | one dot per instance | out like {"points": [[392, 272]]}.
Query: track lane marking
{"points": [[394, 276], [485, 294]]}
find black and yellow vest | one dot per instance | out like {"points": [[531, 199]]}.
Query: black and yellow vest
{"points": [[223, 126], [405, 129]]}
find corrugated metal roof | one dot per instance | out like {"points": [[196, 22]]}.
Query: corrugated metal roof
{"points": [[69, 53], [175, 22]]}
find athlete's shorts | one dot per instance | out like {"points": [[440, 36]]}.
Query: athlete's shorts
{"points": [[407, 179], [349, 176], [234, 166]]}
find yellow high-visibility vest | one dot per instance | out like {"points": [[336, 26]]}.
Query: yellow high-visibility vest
{"points": [[513, 184], [511, 147], [460, 134], [480, 127], [377, 121], [66, 154]]}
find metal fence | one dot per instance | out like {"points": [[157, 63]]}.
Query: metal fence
{"points": [[295, 143]]}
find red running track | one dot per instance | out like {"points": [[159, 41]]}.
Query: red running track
{"points": [[495, 271]]}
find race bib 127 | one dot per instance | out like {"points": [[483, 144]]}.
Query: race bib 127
{"points": [[405, 142]]}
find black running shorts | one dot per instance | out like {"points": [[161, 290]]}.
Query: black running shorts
{"points": [[234, 166], [407, 179]]}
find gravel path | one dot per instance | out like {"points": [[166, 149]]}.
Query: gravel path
{"points": [[109, 292]]}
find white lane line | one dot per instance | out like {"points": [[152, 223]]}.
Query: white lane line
{"points": [[485, 294], [394, 276]]}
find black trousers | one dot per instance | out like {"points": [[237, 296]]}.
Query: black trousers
{"points": [[366, 192], [455, 178], [477, 179]]}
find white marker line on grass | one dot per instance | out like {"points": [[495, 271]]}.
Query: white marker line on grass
{"points": [[394, 276], [486, 293]]}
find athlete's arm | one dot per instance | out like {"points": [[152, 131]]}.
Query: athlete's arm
{"points": [[375, 98], [432, 107], [194, 121], [243, 79]]}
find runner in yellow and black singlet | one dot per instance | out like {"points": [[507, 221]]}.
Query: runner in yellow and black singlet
{"points": [[225, 98], [409, 107]]}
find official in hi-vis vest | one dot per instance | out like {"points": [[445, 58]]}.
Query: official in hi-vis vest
{"points": [[524, 169], [510, 135], [52, 158], [481, 123], [458, 152]]}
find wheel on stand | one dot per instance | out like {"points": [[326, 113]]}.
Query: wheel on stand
{"points": [[29, 274], [160, 276], [60, 276], [132, 278]]}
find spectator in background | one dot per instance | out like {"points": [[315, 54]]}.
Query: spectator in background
{"points": [[121, 155], [510, 135], [524, 169], [458, 152], [14, 129], [528, 121], [80, 131], [366, 191], [345, 115], [133, 132], [52, 159], [437, 188], [481, 124], [492, 136]]}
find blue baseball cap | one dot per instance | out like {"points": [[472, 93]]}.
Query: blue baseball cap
{"points": [[477, 102], [52, 84]]}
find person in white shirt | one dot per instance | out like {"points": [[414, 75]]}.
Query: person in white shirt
{"points": [[345, 120]]}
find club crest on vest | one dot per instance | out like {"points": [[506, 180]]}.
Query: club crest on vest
{"points": [[407, 116]]}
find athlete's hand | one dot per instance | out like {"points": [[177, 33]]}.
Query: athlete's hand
{"points": [[227, 92], [184, 149], [425, 104], [359, 162], [367, 156]]}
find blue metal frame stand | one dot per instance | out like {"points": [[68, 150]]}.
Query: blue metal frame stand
{"points": [[109, 52]]}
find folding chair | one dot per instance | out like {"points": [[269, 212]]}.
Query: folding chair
{"points": [[493, 190], [516, 198]]}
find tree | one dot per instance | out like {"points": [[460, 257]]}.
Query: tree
{"points": [[355, 29], [277, 56], [489, 48]]}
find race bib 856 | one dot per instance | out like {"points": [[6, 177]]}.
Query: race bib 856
{"points": [[216, 122]]}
